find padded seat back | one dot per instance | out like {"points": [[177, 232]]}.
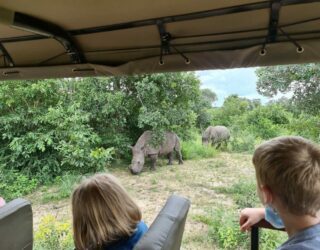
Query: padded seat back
{"points": [[166, 231], [16, 225]]}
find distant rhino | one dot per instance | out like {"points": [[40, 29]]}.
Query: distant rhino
{"points": [[144, 149], [216, 135]]}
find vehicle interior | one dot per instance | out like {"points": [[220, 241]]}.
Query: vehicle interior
{"points": [[60, 39]]}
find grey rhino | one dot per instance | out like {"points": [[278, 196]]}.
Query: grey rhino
{"points": [[143, 149], [216, 135]]}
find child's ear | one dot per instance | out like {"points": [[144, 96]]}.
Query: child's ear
{"points": [[267, 195]]}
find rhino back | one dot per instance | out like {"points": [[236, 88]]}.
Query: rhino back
{"points": [[220, 133], [207, 133], [143, 139], [170, 140]]}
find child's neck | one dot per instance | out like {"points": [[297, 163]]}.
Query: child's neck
{"points": [[295, 224]]}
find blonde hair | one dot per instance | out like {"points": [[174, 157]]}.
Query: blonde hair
{"points": [[103, 212], [290, 167]]}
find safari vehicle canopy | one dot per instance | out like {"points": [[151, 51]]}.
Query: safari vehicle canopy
{"points": [[45, 39]]}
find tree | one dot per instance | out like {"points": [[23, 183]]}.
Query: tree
{"points": [[208, 96], [303, 81], [203, 108]]}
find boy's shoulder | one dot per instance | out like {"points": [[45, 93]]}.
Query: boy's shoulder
{"points": [[308, 239]]}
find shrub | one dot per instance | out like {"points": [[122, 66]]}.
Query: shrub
{"points": [[271, 239], [307, 126], [243, 141], [224, 230], [53, 235], [14, 184], [224, 225]]}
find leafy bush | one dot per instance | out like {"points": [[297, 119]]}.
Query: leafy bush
{"points": [[224, 225], [243, 141], [45, 133], [195, 150], [307, 126], [271, 239], [53, 235], [14, 184], [225, 231], [265, 121]]}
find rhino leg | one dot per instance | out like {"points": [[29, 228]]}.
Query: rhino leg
{"points": [[218, 145], [177, 149], [180, 157], [153, 161], [170, 157]]}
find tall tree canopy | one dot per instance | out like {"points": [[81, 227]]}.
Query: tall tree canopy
{"points": [[303, 81]]}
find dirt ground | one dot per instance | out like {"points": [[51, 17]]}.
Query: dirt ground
{"points": [[195, 180]]}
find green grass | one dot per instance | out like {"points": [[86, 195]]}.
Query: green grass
{"points": [[62, 188], [194, 150], [243, 193]]}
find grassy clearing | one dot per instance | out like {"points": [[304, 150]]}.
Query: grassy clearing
{"points": [[215, 186]]}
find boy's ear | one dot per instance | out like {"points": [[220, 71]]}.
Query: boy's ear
{"points": [[267, 195]]}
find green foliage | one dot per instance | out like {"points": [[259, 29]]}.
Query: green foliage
{"points": [[203, 107], [243, 141], [307, 126], [224, 230], [195, 150], [271, 239], [14, 185], [224, 226], [233, 107], [300, 80], [266, 121], [45, 133], [50, 127], [166, 102], [53, 235]]}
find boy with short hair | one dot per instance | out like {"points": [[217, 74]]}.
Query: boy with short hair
{"points": [[288, 184]]}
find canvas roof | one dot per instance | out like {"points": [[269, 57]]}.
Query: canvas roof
{"points": [[45, 39]]}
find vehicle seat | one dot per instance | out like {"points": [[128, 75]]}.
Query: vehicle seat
{"points": [[166, 231], [16, 225]]}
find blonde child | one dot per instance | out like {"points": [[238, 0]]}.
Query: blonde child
{"points": [[288, 184], [104, 215]]}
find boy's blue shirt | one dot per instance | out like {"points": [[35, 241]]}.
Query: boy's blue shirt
{"points": [[308, 239], [128, 244]]}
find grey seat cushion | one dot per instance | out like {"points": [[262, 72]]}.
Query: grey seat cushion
{"points": [[166, 231], [16, 225]]}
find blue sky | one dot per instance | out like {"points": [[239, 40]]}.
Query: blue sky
{"points": [[231, 81]]}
